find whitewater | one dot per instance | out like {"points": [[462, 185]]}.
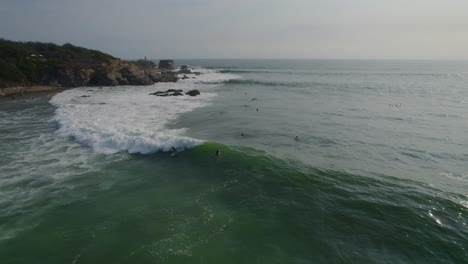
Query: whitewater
{"points": [[128, 118]]}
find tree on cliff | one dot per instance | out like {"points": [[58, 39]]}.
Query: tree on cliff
{"points": [[29, 63], [34, 63]]}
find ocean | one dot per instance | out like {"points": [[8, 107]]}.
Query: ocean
{"points": [[322, 161]]}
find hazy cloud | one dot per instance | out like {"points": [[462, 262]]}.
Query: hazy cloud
{"points": [[417, 29]]}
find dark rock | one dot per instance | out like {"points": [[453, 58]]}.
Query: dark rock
{"points": [[145, 65], [166, 65], [132, 76], [193, 92], [157, 93], [102, 78], [185, 70], [69, 75], [154, 76], [170, 92], [165, 77]]}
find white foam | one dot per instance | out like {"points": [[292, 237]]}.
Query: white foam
{"points": [[208, 76], [126, 119]]}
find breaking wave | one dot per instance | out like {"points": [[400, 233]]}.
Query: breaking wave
{"points": [[251, 82], [127, 118], [208, 76]]}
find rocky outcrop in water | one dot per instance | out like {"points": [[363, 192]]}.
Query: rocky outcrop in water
{"points": [[194, 92], [176, 92], [166, 65], [166, 77], [170, 92], [185, 69]]}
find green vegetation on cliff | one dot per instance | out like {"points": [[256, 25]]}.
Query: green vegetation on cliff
{"points": [[30, 63]]}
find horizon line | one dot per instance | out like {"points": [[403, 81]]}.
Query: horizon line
{"points": [[305, 59]]}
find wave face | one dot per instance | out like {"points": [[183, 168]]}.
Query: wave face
{"points": [[193, 203]]}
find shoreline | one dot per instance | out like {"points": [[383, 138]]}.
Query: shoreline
{"points": [[26, 93]]}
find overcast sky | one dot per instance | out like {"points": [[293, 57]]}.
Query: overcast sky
{"points": [[334, 29]]}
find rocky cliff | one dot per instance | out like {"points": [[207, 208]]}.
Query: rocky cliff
{"points": [[166, 65], [32, 64]]}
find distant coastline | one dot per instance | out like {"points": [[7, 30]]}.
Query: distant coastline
{"points": [[33, 68]]}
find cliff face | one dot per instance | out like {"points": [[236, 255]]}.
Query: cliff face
{"points": [[120, 73], [112, 73], [28, 64]]}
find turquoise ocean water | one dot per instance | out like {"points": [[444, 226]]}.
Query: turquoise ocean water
{"points": [[379, 173]]}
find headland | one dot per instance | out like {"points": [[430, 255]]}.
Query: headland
{"points": [[31, 69]]}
